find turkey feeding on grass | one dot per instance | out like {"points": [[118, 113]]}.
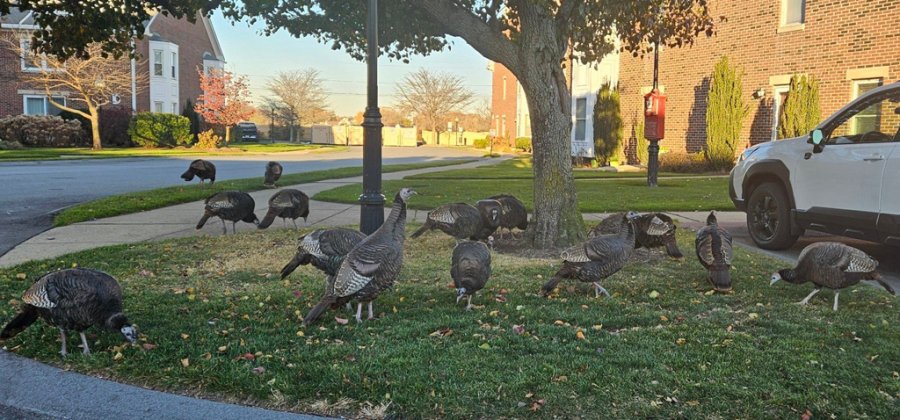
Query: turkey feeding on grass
{"points": [[832, 265], [201, 169], [513, 213], [73, 299], [371, 266], [273, 173], [458, 220], [234, 206], [325, 249], [470, 268], [286, 204], [652, 230], [596, 259]]}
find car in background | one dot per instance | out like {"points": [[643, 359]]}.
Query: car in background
{"points": [[843, 178], [248, 131]]}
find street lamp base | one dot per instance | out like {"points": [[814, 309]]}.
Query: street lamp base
{"points": [[371, 216], [653, 162]]}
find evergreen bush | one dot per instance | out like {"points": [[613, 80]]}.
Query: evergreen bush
{"points": [[800, 113], [150, 129], [608, 127], [725, 112]]}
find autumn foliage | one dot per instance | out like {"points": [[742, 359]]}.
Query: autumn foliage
{"points": [[224, 100]]}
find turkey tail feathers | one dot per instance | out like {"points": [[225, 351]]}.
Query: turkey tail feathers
{"points": [[18, 324]]}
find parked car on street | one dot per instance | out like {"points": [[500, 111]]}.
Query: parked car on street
{"points": [[248, 131], [843, 178]]}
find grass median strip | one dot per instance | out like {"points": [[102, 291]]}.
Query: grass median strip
{"points": [[237, 149], [161, 197], [216, 321], [673, 194]]}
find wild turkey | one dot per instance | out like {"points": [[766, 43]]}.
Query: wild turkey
{"points": [[371, 266], [458, 220], [201, 169], [832, 265], [490, 217], [273, 173], [652, 230], [73, 299], [513, 214], [325, 249], [470, 269], [596, 259], [286, 204], [234, 206], [713, 246]]}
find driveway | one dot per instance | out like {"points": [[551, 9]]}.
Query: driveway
{"points": [[735, 223], [34, 191]]}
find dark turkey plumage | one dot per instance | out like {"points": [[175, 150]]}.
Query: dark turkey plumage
{"points": [[470, 269], [832, 265], [513, 213], [458, 220], [234, 206], [596, 259], [713, 246], [201, 169], [286, 204], [652, 230], [371, 266], [490, 216], [273, 173], [325, 249], [73, 299]]}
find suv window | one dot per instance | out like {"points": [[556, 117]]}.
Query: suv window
{"points": [[875, 120]]}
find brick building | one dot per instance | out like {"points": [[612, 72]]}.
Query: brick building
{"points": [[507, 104], [171, 52], [849, 46]]}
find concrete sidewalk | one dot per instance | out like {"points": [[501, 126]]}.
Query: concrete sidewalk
{"points": [[180, 220]]}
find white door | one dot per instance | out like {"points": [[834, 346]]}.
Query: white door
{"points": [[848, 173]]}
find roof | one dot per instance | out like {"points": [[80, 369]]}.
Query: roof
{"points": [[18, 19]]}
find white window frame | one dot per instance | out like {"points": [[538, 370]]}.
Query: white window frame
{"points": [[583, 118], [44, 99], [504, 88], [174, 108], [855, 92], [174, 66], [25, 48], [783, 24], [158, 106], [158, 63]]}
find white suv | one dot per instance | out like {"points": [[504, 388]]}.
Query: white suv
{"points": [[843, 178]]}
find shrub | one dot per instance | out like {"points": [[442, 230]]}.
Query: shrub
{"points": [[194, 118], [208, 140], [523, 144], [800, 113], [85, 123], [642, 144], [10, 145], [725, 112], [482, 143], [41, 131], [608, 127], [689, 163], [150, 129], [114, 122]]}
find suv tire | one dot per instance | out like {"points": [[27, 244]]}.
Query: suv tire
{"points": [[769, 217]]}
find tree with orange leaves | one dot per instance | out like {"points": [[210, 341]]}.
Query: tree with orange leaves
{"points": [[224, 100]]}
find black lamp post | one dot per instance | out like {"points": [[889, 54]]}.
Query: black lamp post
{"points": [[653, 148], [372, 201]]}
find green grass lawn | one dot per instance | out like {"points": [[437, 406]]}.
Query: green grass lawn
{"points": [[54, 153], [202, 304], [521, 168], [161, 197], [594, 196]]}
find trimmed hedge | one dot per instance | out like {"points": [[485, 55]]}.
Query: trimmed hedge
{"points": [[41, 131], [150, 129], [523, 144]]}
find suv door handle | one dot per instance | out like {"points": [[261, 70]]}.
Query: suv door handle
{"points": [[874, 158]]}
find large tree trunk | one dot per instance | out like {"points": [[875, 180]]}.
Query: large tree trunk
{"points": [[227, 135]]}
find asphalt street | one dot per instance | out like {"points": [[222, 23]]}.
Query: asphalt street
{"points": [[32, 192]]}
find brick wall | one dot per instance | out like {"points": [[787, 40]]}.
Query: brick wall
{"points": [[503, 107], [839, 39], [10, 101]]}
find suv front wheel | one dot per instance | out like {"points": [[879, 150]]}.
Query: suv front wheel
{"points": [[768, 217]]}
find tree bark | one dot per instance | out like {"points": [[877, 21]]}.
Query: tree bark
{"points": [[95, 130], [227, 135]]}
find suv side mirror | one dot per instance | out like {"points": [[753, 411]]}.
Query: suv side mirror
{"points": [[816, 137]]}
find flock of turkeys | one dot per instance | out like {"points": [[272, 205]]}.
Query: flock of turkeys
{"points": [[358, 268]]}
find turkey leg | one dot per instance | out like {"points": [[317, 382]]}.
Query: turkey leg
{"points": [[84, 344], [62, 335], [359, 312], [811, 294], [233, 227], [371, 313], [224, 228], [598, 290], [836, 294], [469, 305]]}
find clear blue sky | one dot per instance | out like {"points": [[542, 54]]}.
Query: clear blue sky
{"points": [[260, 58]]}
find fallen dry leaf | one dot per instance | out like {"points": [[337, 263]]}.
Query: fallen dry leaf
{"points": [[443, 332], [342, 321], [693, 403], [754, 315], [297, 294], [559, 322], [206, 356], [246, 356], [807, 415], [518, 329], [185, 362], [222, 349], [259, 370], [485, 346], [21, 276], [149, 346], [663, 318], [579, 335], [653, 294], [680, 341], [119, 356], [185, 336]]}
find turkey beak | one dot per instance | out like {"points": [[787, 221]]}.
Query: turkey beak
{"points": [[773, 281]]}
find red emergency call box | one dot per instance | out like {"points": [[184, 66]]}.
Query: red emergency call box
{"points": [[654, 115]]}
